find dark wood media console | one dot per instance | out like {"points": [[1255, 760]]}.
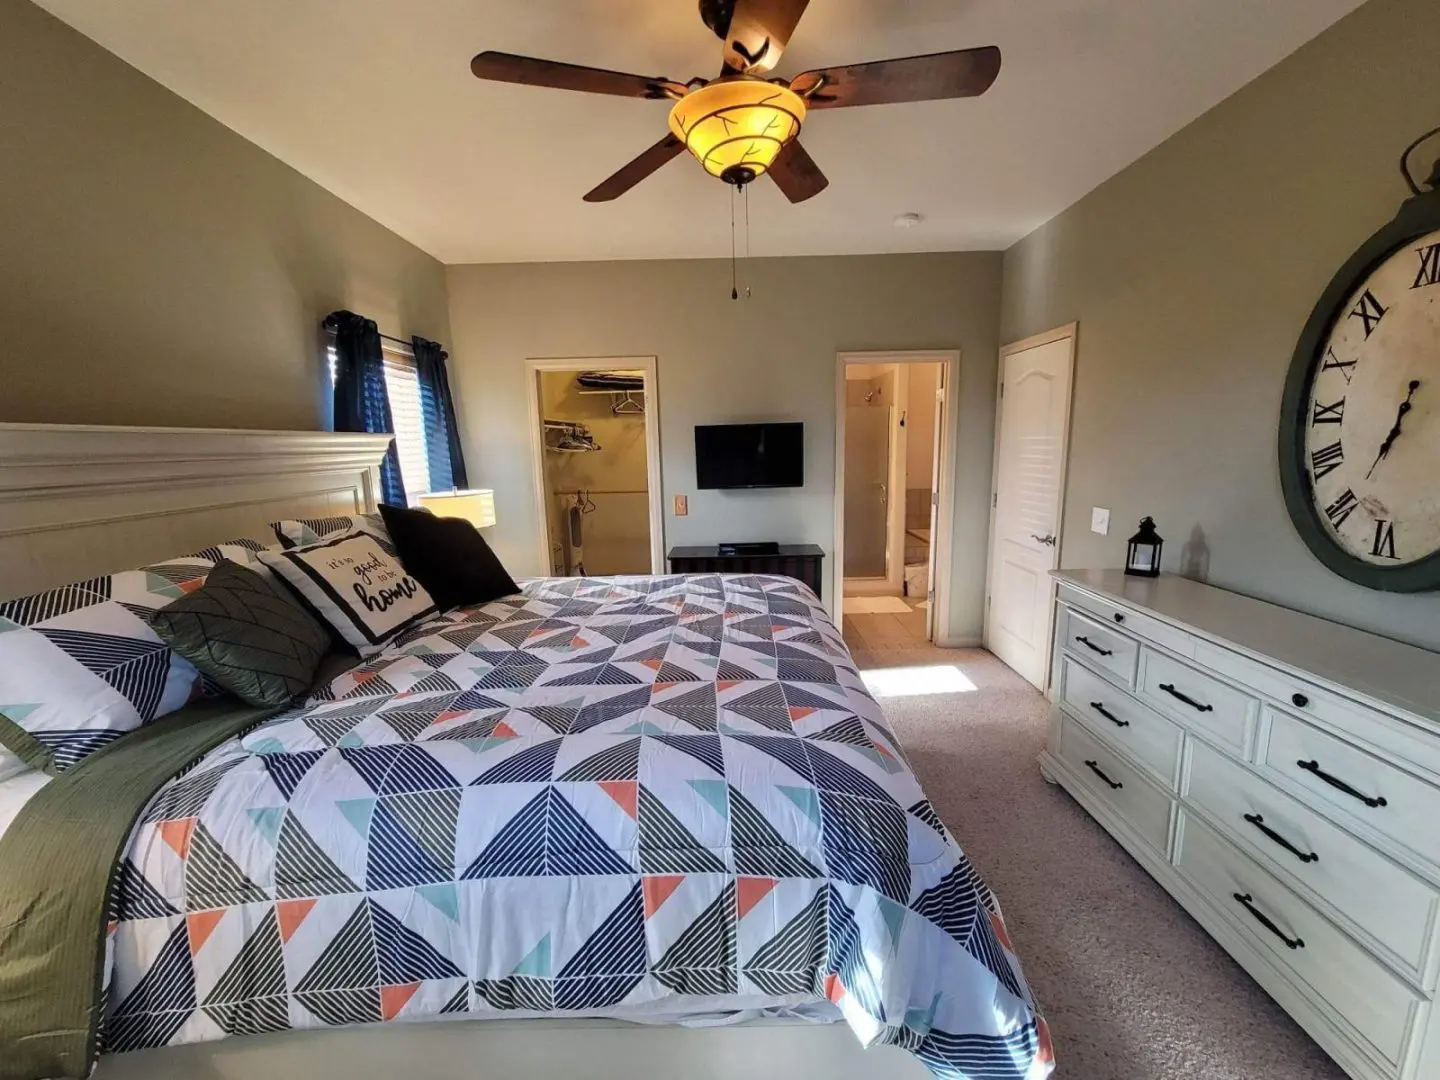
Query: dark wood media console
{"points": [[804, 562]]}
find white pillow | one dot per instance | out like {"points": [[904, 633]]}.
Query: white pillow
{"points": [[80, 666], [303, 532], [10, 765], [356, 586]]}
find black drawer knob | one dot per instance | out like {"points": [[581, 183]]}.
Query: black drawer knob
{"points": [[1119, 617], [1300, 701]]}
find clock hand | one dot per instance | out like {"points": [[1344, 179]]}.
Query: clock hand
{"points": [[1405, 407]]}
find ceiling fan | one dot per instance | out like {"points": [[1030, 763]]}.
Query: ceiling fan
{"points": [[742, 124]]}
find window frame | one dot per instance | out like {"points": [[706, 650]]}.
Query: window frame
{"points": [[411, 448]]}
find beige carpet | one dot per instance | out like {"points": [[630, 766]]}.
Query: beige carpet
{"points": [[1132, 988]]}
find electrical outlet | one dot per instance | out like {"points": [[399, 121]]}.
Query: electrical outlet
{"points": [[682, 505], [1100, 520]]}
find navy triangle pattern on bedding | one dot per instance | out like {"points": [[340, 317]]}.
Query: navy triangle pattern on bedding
{"points": [[705, 833]]}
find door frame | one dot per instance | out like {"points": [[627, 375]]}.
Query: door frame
{"points": [[1069, 331], [534, 366], [944, 484]]}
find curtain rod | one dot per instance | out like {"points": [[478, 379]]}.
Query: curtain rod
{"points": [[404, 343]]}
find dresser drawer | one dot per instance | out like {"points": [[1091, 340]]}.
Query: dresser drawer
{"points": [[1375, 792], [1374, 1002], [1392, 906], [1122, 721], [1118, 784], [1099, 645], [1137, 622], [1307, 699], [1198, 700]]}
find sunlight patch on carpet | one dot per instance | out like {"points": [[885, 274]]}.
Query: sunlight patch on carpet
{"points": [[916, 681]]}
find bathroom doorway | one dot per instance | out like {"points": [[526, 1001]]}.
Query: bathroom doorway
{"points": [[595, 441], [892, 497]]}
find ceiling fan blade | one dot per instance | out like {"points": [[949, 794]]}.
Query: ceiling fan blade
{"points": [[631, 174], [966, 73], [528, 71], [755, 32], [796, 174]]}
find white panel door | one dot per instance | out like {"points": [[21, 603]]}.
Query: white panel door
{"points": [[1033, 418]]}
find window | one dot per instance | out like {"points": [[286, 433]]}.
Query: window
{"points": [[403, 389]]}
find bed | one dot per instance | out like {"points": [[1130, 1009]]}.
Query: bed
{"points": [[650, 800]]}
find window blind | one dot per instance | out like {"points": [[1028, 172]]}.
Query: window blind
{"points": [[403, 388]]}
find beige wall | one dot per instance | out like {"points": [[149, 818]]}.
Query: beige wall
{"points": [[771, 357], [615, 534], [155, 267], [1191, 274]]}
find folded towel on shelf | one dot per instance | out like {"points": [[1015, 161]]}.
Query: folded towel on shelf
{"points": [[611, 380]]}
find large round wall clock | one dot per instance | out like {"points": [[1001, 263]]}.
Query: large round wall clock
{"points": [[1360, 423]]}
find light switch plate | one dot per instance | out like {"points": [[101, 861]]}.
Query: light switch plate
{"points": [[682, 505], [1100, 520]]}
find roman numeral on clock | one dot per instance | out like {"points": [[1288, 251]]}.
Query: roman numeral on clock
{"points": [[1384, 546], [1334, 363], [1341, 508], [1369, 311], [1429, 266], [1327, 459], [1329, 414]]}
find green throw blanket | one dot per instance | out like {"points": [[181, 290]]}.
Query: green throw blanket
{"points": [[58, 864]]}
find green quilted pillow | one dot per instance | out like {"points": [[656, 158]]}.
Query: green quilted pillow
{"points": [[247, 635]]}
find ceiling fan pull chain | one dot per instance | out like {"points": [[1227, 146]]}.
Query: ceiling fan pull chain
{"points": [[746, 191], [734, 286]]}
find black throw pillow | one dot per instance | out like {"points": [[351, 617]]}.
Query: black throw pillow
{"points": [[448, 556]]}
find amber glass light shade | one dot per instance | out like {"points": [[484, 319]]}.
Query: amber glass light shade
{"points": [[736, 126]]}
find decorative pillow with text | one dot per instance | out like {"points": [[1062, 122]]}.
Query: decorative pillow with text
{"points": [[356, 586]]}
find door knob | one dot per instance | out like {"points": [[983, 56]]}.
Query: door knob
{"points": [[1048, 541]]}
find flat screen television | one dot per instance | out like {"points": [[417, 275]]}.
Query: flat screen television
{"points": [[749, 456]]}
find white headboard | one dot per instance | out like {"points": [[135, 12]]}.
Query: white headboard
{"points": [[79, 501]]}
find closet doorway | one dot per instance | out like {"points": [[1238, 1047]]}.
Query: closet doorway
{"points": [[893, 483], [595, 440]]}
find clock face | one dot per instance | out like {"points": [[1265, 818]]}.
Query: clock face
{"points": [[1371, 417]]}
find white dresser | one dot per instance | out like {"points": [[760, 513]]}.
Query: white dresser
{"points": [[1280, 776]]}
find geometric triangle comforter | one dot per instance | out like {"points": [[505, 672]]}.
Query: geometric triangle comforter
{"points": [[637, 796]]}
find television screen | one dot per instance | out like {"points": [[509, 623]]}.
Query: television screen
{"points": [[750, 455]]}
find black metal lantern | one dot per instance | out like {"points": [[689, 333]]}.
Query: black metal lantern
{"points": [[1143, 558]]}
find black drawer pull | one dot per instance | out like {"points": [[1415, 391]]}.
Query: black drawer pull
{"points": [[1099, 707], [1264, 920], [1115, 785], [1300, 701], [1336, 782], [1259, 823], [1169, 688], [1095, 648], [1119, 617]]}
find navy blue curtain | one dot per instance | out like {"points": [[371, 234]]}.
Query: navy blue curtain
{"points": [[361, 400], [442, 436]]}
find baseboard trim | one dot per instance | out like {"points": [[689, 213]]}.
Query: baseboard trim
{"points": [[970, 641]]}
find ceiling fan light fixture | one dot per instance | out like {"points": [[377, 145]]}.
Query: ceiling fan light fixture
{"points": [[736, 126]]}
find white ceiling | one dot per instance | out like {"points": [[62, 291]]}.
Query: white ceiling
{"points": [[374, 100]]}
